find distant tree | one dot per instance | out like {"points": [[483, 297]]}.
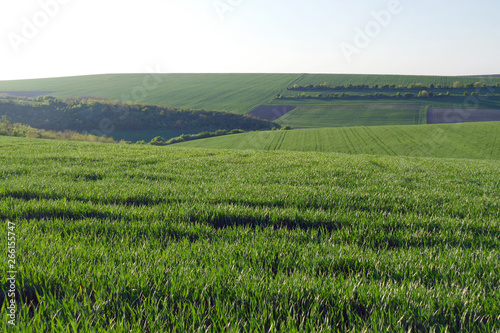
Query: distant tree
{"points": [[220, 132], [236, 131], [157, 141], [423, 94], [287, 128], [466, 93], [457, 84], [478, 84]]}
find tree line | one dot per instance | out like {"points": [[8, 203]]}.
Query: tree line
{"points": [[88, 114], [412, 86], [7, 128], [398, 95]]}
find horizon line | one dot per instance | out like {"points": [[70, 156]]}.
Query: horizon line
{"points": [[257, 73]]}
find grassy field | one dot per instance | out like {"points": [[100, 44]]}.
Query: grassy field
{"points": [[465, 140], [119, 237], [239, 93], [354, 115]]}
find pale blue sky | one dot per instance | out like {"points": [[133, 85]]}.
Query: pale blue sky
{"points": [[47, 38]]}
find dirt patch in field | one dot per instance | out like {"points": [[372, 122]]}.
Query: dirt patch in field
{"points": [[26, 93], [271, 112], [447, 116]]}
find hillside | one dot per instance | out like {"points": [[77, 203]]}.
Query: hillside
{"points": [[466, 140], [238, 93], [106, 117], [132, 237]]}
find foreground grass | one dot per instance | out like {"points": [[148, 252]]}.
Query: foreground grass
{"points": [[465, 140], [134, 238]]}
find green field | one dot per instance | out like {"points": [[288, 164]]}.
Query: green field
{"points": [[354, 115], [404, 80], [147, 136], [239, 93], [465, 140], [140, 238]]}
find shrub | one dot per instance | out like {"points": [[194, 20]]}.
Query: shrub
{"points": [[423, 94], [220, 132], [157, 141]]}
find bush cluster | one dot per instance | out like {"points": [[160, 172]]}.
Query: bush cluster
{"points": [[159, 141], [7, 128], [412, 86]]}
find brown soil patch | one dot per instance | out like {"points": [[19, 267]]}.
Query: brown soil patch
{"points": [[271, 112], [446, 116]]}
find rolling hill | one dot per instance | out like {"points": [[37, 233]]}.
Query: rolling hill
{"points": [[465, 140], [238, 93]]}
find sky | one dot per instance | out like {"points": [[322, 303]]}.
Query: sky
{"points": [[53, 38]]}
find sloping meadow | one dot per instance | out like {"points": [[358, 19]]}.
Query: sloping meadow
{"points": [[131, 237]]}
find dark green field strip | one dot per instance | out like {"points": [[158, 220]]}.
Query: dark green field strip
{"points": [[119, 237], [465, 140], [352, 115]]}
